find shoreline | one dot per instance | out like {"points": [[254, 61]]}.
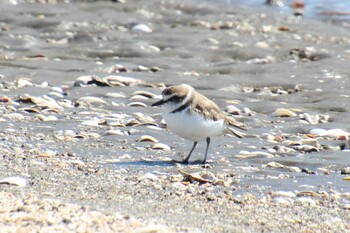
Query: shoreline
{"points": [[323, 12]]}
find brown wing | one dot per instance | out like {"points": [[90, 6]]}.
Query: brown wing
{"points": [[210, 110]]}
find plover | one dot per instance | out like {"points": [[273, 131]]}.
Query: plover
{"points": [[194, 117]]}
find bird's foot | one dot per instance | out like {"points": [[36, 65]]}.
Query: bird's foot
{"points": [[185, 161]]}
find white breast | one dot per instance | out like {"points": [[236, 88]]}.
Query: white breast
{"points": [[193, 127]]}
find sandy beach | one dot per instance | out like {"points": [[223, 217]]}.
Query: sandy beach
{"points": [[82, 150]]}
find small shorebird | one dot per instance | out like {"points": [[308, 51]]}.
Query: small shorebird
{"points": [[194, 117]]}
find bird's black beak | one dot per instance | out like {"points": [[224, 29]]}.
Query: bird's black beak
{"points": [[160, 102]]}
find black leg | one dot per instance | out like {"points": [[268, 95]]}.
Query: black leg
{"points": [[185, 161], [206, 150]]}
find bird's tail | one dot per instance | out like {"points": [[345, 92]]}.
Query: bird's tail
{"points": [[238, 134], [232, 122]]}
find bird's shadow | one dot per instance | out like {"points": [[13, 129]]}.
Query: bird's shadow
{"points": [[148, 163], [154, 163]]}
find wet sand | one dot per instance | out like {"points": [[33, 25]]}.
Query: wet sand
{"points": [[74, 153]]}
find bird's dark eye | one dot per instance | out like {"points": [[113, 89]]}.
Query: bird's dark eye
{"points": [[167, 92]]}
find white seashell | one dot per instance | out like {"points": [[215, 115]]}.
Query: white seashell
{"points": [[46, 118], [248, 111], [65, 104], [283, 194], [116, 123], [147, 138], [139, 97], [208, 176], [153, 127], [324, 118], [310, 119], [293, 169], [44, 84], [279, 165], [84, 78], [57, 89], [268, 137], [336, 133], [141, 28], [233, 110], [137, 104], [23, 82], [149, 176], [271, 150], [147, 94], [309, 141], [179, 186], [306, 148], [77, 162], [275, 165], [142, 118], [268, 28], [265, 60], [47, 153], [41, 117], [112, 161], [125, 156], [213, 41], [282, 112], [121, 79], [322, 169], [15, 116], [150, 48], [318, 132], [69, 132], [91, 100], [55, 94], [51, 118], [93, 122], [283, 201], [142, 68], [161, 146], [118, 115], [115, 95], [47, 101], [114, 132], [306, 201], [14, 180], [132, 122], [254, 154], [262, 44]]}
